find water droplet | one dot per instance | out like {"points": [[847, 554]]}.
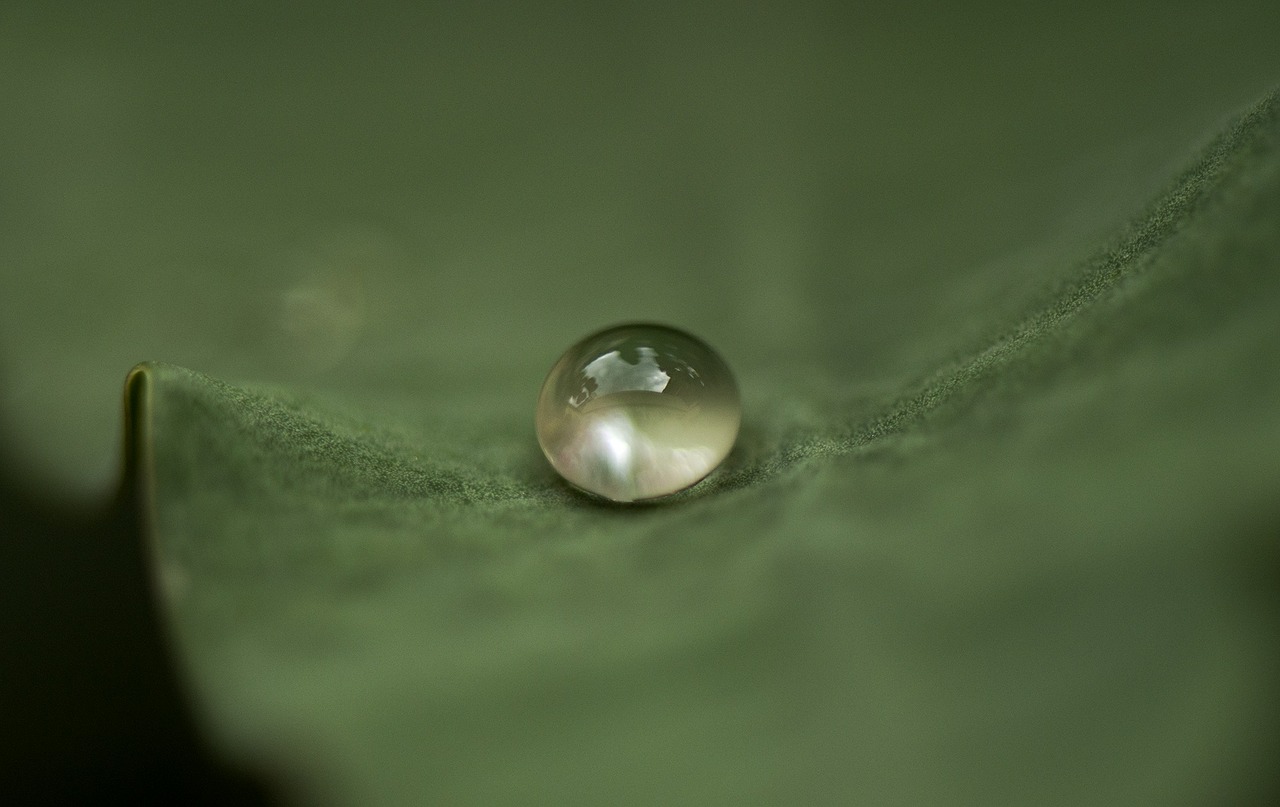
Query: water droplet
{"points": [[637, 412]]}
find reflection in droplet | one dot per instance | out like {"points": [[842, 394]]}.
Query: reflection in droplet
{"points": [[612, 373]]}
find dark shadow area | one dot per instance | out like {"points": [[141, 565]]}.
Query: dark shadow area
{"points": [[90, 707]]}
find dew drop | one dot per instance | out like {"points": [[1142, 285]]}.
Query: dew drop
{"points": [[637, 412]]}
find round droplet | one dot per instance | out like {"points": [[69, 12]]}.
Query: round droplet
{"points": [[638, 411]]}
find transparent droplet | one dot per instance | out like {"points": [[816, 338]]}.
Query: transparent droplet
{"points": [[638, 411]]}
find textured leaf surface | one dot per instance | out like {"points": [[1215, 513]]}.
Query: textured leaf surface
{"points": [[1041, 572]]}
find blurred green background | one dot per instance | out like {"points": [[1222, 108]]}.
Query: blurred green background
{"points": [[343, 195], [409, 210]]}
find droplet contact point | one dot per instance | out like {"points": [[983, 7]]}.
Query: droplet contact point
{"points": [[637, 412]]}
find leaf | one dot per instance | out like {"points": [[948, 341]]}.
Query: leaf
{"points": [[1039, 574]]}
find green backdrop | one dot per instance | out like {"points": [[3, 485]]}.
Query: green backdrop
{"points": [[1001, 287]]}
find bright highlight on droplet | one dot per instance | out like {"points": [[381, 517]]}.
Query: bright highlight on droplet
{"points": [[637, 412]]}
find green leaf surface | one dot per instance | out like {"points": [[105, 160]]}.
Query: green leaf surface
{"points": [[1040, 570]]}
